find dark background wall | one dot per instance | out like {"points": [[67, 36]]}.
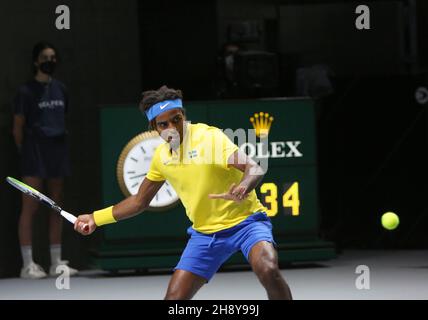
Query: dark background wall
{"points": [[178, 45], [371, 132]]}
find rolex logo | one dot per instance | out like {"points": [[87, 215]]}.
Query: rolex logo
{"points": [[261, 122]]}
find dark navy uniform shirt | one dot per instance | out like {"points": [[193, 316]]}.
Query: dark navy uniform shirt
{"points": [[44, 106]]}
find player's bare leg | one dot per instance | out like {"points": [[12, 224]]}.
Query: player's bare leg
{"points": [[55, 192], [29, 209], [264, 261], [183, 285]]}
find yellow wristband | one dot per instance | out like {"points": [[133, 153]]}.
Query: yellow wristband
{"points": [[104, 216]]}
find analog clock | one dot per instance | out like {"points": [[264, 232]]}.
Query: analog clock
{"points": [[133, 165]]}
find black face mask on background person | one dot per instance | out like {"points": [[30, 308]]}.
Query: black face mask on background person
{"points": [[47, 67]]}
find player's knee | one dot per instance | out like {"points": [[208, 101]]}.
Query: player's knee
{"points": [[269, 273]]}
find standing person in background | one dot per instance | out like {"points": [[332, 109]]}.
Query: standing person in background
{"points": [[226, 78], [39, 131]]}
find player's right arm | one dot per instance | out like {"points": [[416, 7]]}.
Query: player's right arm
{"points": [[136, 204], [127, 208]]}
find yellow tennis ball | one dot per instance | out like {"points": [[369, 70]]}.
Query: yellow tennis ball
{"points": [[390, 220]]}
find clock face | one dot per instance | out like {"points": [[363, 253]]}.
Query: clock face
{"points": [[133, 165]]}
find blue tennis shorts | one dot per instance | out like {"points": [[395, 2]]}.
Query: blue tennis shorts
{"points": [[205, 253]]}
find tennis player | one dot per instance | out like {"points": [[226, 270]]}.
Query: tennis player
{"points": [[215, 182]]}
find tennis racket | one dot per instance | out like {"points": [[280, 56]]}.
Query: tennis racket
{"points": [[21, 186]]}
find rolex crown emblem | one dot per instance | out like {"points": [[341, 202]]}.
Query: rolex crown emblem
{"points": [[261, 122]]}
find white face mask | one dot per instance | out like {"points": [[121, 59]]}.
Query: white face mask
{"points": [[172, 137]]}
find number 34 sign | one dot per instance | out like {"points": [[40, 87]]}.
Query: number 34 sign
{"points": [[287, 198]]}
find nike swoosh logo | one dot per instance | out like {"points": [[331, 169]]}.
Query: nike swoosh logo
{"points": [[163, 106]]}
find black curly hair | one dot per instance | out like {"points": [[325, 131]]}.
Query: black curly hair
{"points": [[151, 97]]}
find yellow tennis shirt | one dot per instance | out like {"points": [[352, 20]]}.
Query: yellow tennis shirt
{"points": [[199, 168]]}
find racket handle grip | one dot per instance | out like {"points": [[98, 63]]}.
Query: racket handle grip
{"points": [[73, 219], [68, 216]]}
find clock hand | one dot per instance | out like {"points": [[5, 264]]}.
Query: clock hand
{"points": [[138, 176]]}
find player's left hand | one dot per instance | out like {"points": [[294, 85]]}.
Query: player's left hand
{"points": [[235, 193]]}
